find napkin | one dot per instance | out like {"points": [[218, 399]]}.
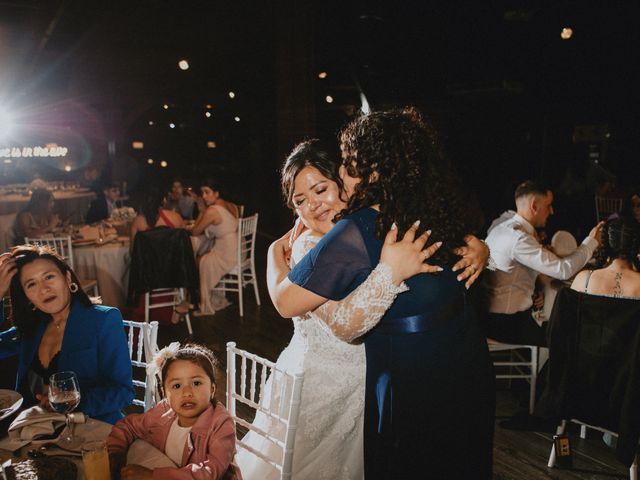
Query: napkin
{"points": [[146, 455], [36, 422], [88, 232], [33, 424]]}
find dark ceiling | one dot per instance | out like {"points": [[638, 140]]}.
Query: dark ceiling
{"points": [[497, 77]]}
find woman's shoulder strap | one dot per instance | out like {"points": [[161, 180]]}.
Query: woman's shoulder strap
{"points": [[586, 280]]}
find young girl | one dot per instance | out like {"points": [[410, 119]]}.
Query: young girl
{"points": [[192, 429]]}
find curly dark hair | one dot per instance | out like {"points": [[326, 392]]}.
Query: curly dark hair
{"points": [[23, 315], [309, 153], [398, 158], [620, 240], [197, 354]]}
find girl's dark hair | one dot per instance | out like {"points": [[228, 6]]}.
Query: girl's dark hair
{"points": [[620, 240], [150, 203], [39, 201], [214, 185], [198, 354], [397, 156], [22, 314], [309, 153]]}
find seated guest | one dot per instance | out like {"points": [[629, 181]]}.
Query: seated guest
{"points": [[103, 206], [617, 273], [519, 258], [153, 213], [38, 217], [218, 221], [181, 200], [47, 306], [194, 430]]}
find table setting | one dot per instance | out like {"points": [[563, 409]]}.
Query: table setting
{"points": [[62, 443]]}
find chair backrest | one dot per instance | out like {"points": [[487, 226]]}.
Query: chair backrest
{"points": [[240, 211], [606, 206], [247, 228], [274, 395], [62, 245], [142, 339], [594, 343], [162, 258]]}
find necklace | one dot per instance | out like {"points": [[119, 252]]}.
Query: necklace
{"points": [[57, 324]]}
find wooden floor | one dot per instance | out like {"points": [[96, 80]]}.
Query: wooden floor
{"points": [[517, 454]]}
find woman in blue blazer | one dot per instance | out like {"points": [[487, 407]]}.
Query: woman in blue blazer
{"points": [[59, 329]]}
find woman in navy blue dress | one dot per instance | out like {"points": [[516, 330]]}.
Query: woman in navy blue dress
{"points": [[430, 395]]}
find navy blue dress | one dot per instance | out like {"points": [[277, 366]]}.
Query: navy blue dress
{"points": [[430, 396]]}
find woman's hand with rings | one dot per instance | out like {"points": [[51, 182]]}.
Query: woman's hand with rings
{"points": [[8, 269], [475, 256], [407, 256]]}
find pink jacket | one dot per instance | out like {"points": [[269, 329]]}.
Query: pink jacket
{"points": [[210, 446]]}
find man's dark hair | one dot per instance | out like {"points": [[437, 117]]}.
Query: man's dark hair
{"points": [[531, 187]]}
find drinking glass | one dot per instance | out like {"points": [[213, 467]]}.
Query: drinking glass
{"points": [[95, 460], [64, 397]]}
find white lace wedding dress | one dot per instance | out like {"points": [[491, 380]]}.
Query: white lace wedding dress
{"points": [[328, 443]]}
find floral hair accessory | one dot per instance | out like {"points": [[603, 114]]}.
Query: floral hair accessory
{"points": [[160, 358]]}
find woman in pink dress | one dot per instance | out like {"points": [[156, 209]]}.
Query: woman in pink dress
{"points": [[218, 222]]}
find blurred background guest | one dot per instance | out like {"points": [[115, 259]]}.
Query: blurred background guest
{"points": [[38, 217], [48, 306], [218, 221], [103, 206], [154, 213], [181, 200]]}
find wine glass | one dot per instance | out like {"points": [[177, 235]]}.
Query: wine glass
{"points": [[64, 397]]}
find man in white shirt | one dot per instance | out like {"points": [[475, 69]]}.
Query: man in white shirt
{"points": [[518, 258]]}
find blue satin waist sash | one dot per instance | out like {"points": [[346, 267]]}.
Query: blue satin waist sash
{"points": [[420, 322]]}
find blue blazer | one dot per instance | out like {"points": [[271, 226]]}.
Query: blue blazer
{"points": [[95, 348]]}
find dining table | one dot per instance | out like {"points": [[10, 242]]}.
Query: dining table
{"points": [[91, 430], [107, 263]]}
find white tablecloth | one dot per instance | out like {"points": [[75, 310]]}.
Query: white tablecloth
{"points": [[109, 265]]}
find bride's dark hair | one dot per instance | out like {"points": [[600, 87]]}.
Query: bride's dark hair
{"points": [[397, 156], [309, 153]]}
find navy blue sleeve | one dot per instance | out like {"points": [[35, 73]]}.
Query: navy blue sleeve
{"points": [[336, 265]]}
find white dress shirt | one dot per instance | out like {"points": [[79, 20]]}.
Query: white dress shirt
{"points": [[519, 257]]}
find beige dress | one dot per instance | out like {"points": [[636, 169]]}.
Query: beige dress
{"points": [[218, 261]]}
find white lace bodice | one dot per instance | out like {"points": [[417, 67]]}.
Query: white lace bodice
{"points": [[328, 444]]}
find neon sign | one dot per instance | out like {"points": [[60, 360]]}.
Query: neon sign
{"points": [[47, 151]]}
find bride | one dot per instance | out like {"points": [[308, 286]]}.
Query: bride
{"points": [[329, 438]]}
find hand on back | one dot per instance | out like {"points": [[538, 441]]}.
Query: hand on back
{"points": [[407, 257]]}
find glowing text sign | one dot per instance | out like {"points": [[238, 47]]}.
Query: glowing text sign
{"points": [[19, 152]]}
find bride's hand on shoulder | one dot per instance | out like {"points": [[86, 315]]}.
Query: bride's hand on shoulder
{"points": [[282, 246], [298, 229], [407, 257]]}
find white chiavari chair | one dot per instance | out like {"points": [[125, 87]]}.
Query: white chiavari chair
{"points": [[142, 338], [256, 384]]}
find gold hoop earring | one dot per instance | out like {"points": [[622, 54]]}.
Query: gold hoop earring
{"points": [[73, 287]]}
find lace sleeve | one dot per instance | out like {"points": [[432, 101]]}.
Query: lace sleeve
{"points": [[363, 308]]}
